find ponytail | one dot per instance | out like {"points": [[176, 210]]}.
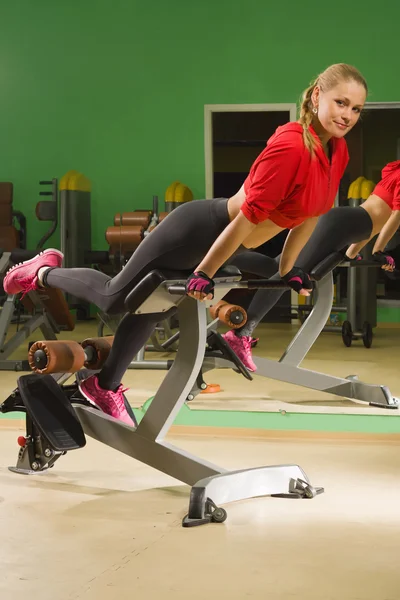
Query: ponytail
{"points": [[306, 117]]}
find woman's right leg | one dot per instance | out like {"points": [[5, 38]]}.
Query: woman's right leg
{"points": [[178, 243], [105, 389]]}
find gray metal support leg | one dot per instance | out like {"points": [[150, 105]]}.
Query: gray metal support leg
{"points": [[147, 443], [288, 370], [313, 325]]}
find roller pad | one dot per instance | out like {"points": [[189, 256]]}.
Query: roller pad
{"points": [[51, 412]]}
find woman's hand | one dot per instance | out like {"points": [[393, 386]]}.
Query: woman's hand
{"points": [[298, 281], [199, 286], [385, 260]]}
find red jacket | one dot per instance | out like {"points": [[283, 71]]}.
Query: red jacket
{"points": [[389, 187], [287, 185]]}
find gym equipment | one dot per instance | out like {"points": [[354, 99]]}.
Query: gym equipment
{"points": [[348, 335], [231, 314], [46, 310], [75, 219], [47, 210], [176, 194], [76, 229], [361, 302], [360, 307], [70, 209], [361, 285], [10, 236], [288, 368], [129, 230], [52, 428], [162, 339], [68, 356], [360, 189]]}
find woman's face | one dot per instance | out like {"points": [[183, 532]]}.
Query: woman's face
{"points": [[339, 108]]}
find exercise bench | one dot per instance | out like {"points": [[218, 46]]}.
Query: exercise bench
{"points": [[211, 485]]}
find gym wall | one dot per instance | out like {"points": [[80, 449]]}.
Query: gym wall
{"points": [[117, 89]]}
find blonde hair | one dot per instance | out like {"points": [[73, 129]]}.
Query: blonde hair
{"points": [[327, 80]]}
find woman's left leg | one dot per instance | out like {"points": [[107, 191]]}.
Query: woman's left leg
{"points": [[334, 232]]}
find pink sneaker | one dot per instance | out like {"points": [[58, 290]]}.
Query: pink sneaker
{"points": [[242, 347], [112, 403], [23, 277]]}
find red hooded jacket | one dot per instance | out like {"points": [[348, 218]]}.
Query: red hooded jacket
{"points": [[389, 187], [287, 185]]}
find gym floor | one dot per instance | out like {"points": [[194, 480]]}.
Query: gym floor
{"points": [[102, 526]]}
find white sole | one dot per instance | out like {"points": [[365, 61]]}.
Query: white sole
{"points": [[87, 397]]}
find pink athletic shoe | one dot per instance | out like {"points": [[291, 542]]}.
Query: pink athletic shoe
{"points": [[112, 403], [23, 277], [242, 347]]}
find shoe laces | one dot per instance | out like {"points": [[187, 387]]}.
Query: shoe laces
{"points": [[30, 284], [247, 342], [118, 396]]}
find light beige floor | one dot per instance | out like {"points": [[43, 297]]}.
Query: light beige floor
{"points": [[101, 526]]}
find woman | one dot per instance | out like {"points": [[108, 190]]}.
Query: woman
{"points": [[291, 183], [386, 220], [335, 231]]}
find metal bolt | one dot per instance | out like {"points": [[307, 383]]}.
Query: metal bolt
{"points": [[47, 452], [35, 466]]}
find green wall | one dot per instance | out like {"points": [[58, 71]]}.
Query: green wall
{"points": [[116, 89]]}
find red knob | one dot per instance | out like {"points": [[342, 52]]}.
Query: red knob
{"points": [[21, 441]]}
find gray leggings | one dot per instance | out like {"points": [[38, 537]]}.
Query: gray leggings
{"points": [[179, 242], [335, 231]]}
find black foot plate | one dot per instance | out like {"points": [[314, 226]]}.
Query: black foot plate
{"points": [[51, 412]]}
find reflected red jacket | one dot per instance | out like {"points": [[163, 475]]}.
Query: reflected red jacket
{"points": [[287, 185], [389, 187]]}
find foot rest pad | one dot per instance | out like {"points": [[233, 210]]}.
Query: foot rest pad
{"points": [[51, 412]]}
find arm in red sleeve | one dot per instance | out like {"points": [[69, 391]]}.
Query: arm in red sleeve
{"points": [[273, 176]]}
